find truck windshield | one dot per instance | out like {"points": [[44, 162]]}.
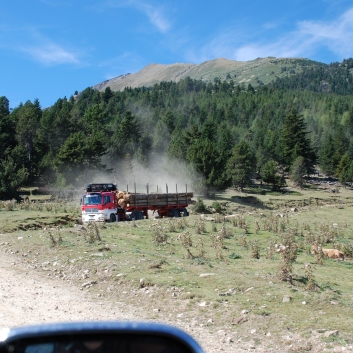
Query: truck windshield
{"points": [[92, 199]]}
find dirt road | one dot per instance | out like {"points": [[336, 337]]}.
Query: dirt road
{"points": [[28, 297], [31, 297]]}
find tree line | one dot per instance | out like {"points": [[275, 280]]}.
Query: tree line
{"points": [[224, 134]]}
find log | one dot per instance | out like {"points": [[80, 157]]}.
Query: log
{"points": [[159, 203], [173, 199], [130, 197]]}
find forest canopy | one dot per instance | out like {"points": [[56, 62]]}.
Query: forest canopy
{"points": [[220, 133]]}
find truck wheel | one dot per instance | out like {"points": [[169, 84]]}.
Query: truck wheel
{"points": [[175, 212], [112, 217], [184, 211]]}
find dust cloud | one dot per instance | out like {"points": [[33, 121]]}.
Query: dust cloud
{"points": [[160, 173]]}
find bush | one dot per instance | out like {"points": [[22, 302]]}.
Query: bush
{"points": [[199, 206], [217, 207]]}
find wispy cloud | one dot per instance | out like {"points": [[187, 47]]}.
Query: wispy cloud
{"points": [[308, 38], [336, 35], [51, 54], [155, 14], [30, 41]]}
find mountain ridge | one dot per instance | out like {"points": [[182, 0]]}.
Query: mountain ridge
{"points": [[255, 72]]}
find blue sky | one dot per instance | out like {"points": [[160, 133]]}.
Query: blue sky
{"points": [[51, 48]]}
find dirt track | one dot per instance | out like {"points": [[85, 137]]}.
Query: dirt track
{"points": [[30, 297]]}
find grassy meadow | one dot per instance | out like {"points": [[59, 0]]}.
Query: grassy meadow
{"points": [[246, 267]]}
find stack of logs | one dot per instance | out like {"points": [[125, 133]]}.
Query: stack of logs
{"points": [[126, 199]]}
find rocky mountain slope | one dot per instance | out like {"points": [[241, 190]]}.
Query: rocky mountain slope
{"points": [[256, 72]]}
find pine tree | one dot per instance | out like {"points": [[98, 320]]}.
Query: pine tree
{"points": [[241, 164], [341, 145], [270, 176], [7, 128], [298, 171], [295, 143], [326, 156]]}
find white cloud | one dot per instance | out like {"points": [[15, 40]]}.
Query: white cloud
{"points": [[51, 54], [308, 38], [155, 14], [336, 35], [30, 41], [156, 17]]}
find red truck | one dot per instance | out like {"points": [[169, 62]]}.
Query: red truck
{"points": [[103, 202]]}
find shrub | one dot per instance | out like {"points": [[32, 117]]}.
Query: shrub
{"points": [[199, 206], [217, 207]]}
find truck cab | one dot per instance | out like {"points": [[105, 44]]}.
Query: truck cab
{"points": [[99, 203]]}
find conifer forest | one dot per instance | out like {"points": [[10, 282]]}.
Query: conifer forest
{"points": [[219, 133]]}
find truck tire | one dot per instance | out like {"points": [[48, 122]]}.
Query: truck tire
{"points": [[184, 211], [112, 217], [175, 212], [136, 215]]}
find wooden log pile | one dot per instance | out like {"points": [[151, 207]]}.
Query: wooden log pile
{"points": [[154, 199]]}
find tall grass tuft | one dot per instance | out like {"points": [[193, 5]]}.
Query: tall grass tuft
{"points": [[288, 252], [158, 234], [186, 243], [311, 285], [255, 249], [52, 239]]}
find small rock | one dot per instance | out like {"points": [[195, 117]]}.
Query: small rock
{"points": [[156, 310], [229, 340], [245, 312], [286, 299], [304, 302], [207, 274], [88, 284], [253, 331], [331, 333], [203, 304]]}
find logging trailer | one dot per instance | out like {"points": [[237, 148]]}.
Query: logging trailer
{"points": [[104, 202]]}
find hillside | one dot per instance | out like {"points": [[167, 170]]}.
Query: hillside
{"points": [[256, 72], [194, 125]]}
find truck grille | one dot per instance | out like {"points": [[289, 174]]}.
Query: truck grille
{"points": [[91, 210]]}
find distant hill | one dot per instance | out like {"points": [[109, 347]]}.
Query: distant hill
{"points": [[256, 72], [334, 78]]}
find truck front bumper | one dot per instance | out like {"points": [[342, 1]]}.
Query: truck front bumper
{"points": [[93, 217]]}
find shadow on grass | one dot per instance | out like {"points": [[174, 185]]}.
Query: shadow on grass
{"points": [[245, 200], [268, 190]]}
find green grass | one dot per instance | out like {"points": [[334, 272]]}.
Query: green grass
{"points": [[235, 280]]}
